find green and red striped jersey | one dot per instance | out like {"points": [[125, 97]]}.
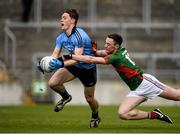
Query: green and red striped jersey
{"points": [[126, 68]]}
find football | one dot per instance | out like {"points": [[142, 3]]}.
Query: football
{"points": [[44, 63]]}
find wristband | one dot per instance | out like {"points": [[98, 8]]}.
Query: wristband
{"points": [[61, 60], [67, 57]]}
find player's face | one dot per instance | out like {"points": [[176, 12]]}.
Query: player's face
{"points": [[66, 21], [110, 45]]}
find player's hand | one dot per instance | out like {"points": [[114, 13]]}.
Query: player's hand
{"points": [[55, 64], [39, 68], [94, 47]]}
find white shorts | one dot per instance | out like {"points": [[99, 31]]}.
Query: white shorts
{"points": [[149, 88]]}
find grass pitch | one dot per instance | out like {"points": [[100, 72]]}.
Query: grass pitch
{"points": [[75, 119]]}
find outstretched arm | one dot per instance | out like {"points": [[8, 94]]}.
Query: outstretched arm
{"points": [[66, 60], [70, 61], [89, 59], [101, 53]]}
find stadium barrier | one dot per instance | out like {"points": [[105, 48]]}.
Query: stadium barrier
{"points": [[9, 35]]}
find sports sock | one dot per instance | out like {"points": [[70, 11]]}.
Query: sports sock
{"points": [[95, 115], [65, 95], [152, 115]]}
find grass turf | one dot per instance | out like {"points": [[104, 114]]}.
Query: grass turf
{"points": [[75, 119]]}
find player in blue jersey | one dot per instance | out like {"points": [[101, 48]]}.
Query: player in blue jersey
{"points": [[76, 41]]}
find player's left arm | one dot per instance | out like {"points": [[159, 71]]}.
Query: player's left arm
{"points": [[98, 53]]}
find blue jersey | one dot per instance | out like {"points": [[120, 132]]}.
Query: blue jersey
{"points": [[77, 39]]}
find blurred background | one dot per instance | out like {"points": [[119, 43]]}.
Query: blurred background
{"points": [[150, 29]]}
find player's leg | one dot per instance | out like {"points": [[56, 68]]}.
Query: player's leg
{"points": [[157, 88], [89, 95], [127, 109], [149, 88], [157, 114], [166, 91], [59, 78], [56, 83], [170, 93], [89, 77]]}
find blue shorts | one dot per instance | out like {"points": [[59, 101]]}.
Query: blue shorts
{"points": [[88, 77]]}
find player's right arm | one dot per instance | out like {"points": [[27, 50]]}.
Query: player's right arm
{"points": [[59, 62], [56, 53], [70, 61], [89, 59], [101, 53], [58, 46]]}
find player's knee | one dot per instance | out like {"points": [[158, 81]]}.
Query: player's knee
{"points": [[128, 115], [89, 99], [123, 116], [51, 84]]}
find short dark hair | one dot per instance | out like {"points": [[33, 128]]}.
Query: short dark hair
{"points": [[73, 14], [116, 37]]}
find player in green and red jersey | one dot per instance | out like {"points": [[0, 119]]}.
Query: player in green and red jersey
{"points": [[143, 86]]}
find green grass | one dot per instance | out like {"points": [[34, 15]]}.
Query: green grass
{"points": [[75, 119]]}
